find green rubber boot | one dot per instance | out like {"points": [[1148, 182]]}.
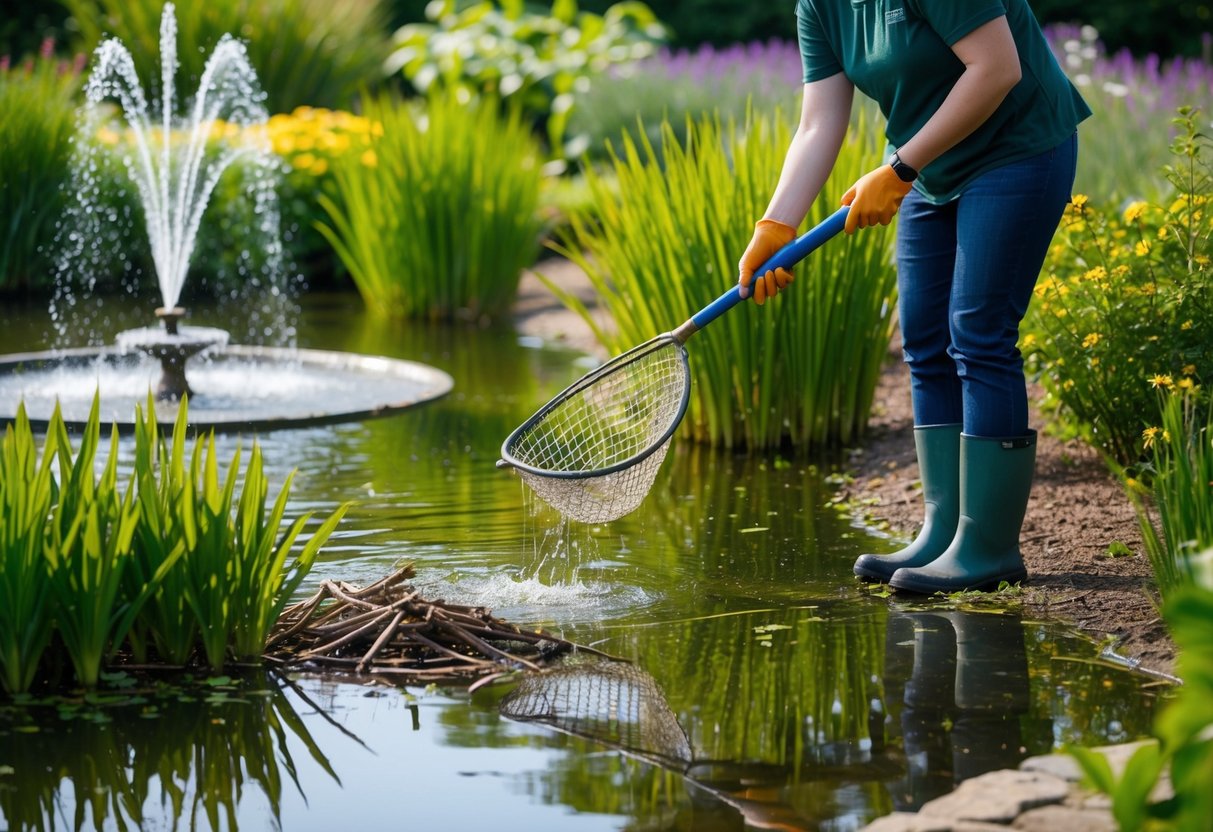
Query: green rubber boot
{"points": [[995, 480], [938, 449]]}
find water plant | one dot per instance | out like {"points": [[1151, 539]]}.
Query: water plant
{"points": [[88, 539], [306, 52], [439, 216], [34, 154], [173, 559], [664, 242], [1177, 511], [27, 487], [1124, 304], [535, 61]]}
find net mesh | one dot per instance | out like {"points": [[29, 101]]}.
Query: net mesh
{"points": [[610, 702], [622, 410]]}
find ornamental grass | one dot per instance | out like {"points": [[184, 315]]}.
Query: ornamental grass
{"points": [[663, 241], [439, 216]]}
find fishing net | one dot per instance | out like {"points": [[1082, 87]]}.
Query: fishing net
{"points": [[614, 703], [593, 452]]}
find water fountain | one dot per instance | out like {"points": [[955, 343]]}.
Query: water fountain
{"points": [[175, 166]]}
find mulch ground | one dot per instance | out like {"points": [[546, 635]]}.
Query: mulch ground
{"points": [[1076, 513]]}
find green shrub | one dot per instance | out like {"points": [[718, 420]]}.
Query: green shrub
{"points": [[663, 241], [312, 52], [1125, 305], [35, 149], [536, 62], [439, 217]]}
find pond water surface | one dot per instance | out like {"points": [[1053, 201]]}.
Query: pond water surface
{"points": [[768, 689]]}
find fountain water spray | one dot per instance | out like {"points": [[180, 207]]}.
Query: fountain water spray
{"points": [[175, 165]]}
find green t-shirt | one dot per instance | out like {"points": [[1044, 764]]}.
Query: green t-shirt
{"points": [[898, 52]]}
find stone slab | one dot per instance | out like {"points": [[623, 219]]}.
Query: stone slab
{"points": [[998, 797]]}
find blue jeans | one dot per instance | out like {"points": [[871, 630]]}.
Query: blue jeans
{"points": [[965, 274]]}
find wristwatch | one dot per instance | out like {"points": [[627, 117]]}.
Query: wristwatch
{"points": [[904, 172]]}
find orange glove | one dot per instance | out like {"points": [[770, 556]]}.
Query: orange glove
{"points": [[875, 198], [769, 237]]}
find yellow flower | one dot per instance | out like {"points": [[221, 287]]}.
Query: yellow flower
{"points": [[1097, 273], [319, 167], [1068, 384], [1160, 380], [1189, 370], [1148, 436], [1029, 340], [304, 161], [1078, 201], [1091, 340], [1134, 211], [1186, 325], [369, 159], [1142, 248]]}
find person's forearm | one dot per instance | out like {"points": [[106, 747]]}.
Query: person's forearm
{"points": [[826, 113], [991, 70]]}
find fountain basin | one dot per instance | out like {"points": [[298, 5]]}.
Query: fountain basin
{"points": [[242, 388]]}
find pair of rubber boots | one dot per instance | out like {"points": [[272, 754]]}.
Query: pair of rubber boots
{"points": [[976, 494]]}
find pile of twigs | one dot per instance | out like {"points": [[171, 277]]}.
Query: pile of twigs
{"points": [[388, 630]]}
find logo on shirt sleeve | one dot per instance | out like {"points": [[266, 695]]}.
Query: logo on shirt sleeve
{"points": [[897, 15]]}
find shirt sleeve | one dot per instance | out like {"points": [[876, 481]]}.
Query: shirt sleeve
{"points": [[816, 55], [953, 19]]}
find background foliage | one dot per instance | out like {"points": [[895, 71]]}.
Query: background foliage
{"points": [[35, 149], [311, 52], [438, 217], [658, 251]]}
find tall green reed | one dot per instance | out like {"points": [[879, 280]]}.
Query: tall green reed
{"points": [[174, 560], [87, 547], [663, 240], [1177, 514], [235, 578], [439, 217], [27, 492]]}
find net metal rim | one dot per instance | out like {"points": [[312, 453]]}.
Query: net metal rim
{"points": [[653, 344]]}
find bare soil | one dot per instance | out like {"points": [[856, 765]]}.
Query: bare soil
{"points": [[1076, 514]]}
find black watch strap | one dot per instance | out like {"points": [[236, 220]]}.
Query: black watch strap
{"points": [[904, 172]]}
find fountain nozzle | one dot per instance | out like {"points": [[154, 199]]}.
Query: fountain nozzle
{"points": [[170, 317]]}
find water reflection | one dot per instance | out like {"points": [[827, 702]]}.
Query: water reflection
{"points": [[813, 718], [162, 758]]}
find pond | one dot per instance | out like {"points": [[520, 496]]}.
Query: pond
{"points": [[767, 688]]}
